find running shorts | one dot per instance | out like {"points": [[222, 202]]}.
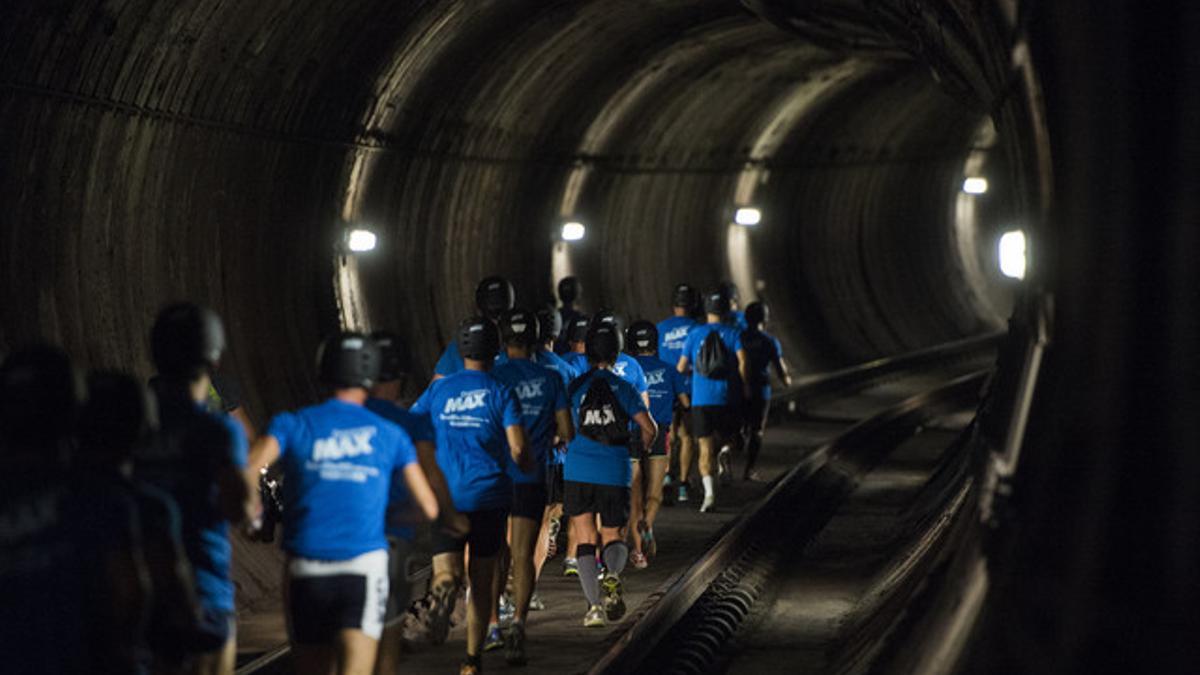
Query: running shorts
{"points": [[610, 502], [486, 538], [529, 501], [754, 411], [399, 585], [326, 596], [657, 449], [554, 484], [714, 420]]}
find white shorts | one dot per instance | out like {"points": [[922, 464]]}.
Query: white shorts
{"points": [[325, 596]]}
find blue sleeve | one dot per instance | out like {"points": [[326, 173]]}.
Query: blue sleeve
{"points": [[421, 406], [737, 340], [510, 411], [281, 428], [239, 445], [450, 362], [422, 428], [406, 452]]}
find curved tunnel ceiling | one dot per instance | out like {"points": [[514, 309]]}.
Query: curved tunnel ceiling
{"points": [[216, 151]]}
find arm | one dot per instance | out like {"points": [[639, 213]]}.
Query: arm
{"points": [[682, 366], [518, 445], [264, 451], [238, 498], [564, 425], [239, 415], [648, 428], [685, 400], [421, 493], [781, 371], [744, 371]]}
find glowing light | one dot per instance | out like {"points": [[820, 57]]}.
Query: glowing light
{"points": [[573, 231], [975, 186], [747, 216], [1012, 254], [361, 241]]}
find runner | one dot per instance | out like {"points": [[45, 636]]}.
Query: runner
{"points": [[550, 326], [545, 416], [477, 420], [569, 290], [198, 458], [715, 349], [666, 392], [493, 295], [735, 317], [672, 336], [72, 575], [762, 351], [576, 358], [598, 473], [338, 460]]}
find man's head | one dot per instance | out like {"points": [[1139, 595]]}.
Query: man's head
{"points": [[569, 289], [603, 344], [757, 314], [40, 397], [120, 414], [716, 306], [494, 295], [730, 291], [349, 360], [684, 299], [642, 338], [577, 332], [519, 331], [393, 369], [187, 341], [478, 342], [550, 324]]}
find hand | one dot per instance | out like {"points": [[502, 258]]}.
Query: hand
{"points": [[455, 524]]}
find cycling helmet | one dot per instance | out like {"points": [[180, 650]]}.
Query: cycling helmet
{"points": [[642, 337], [716, 303], [550, 323], [391, 355], [568, 290], [577, 331], [478, 339], [495, 295], [603, 343], [757, 314], [349, 359], [519, 326], [120, 414], [729, 290], [187, 339], [685, 296]]}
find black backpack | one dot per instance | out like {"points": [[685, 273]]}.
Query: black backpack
{"points": [[601, 417], [714, 360]]}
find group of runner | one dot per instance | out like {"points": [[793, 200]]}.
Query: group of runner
{"points": [[532, 417]]}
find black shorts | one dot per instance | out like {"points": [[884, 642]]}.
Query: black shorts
{"points": [[529, 501], [327, 596], [399, 585], [682, 417], [489, 530], [714, 420], [554, 484], [754, 413], [657, 449], [610, 502]]}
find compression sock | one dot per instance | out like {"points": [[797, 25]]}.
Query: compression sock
{"points": [[589, 574], [615, 555], [709, 485]]}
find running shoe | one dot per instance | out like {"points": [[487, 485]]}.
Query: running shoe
{"points": [[594, 617], [638, 560], [438, 617], [724, 470], [570, 567], [709, 505], [514, 645], [614, 603], [536, 604], [494, 640], [552, 537], [414, 626], [507, 609], [683, 493], [472, 665], [649, 545]]}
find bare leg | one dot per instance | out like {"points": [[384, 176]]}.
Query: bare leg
{"points": [[708, 453], [687, 446], [524, 537], [315, 659], [482, 573], [355, 652], [636, 501], [656, 468]]}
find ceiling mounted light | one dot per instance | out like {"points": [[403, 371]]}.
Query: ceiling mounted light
{"points": [[1012, 254], [573, 231], [360, 241], [747, 216], [975, 186]]}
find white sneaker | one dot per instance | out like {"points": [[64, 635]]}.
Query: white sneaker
{"points": [[709, 504], [724, 470]]}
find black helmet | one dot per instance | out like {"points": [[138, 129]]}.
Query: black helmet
{"points": [[519, 326], [607, 317], [716, 303], [685, 296], [568, 290], [603, 343], [478, 339], [550, 323], [349, 359], [642, 337], [119, 415], [577, 331], [729, 290], [756, 313], [494, 295], [187, 339], [40, 395], [391, 355]]}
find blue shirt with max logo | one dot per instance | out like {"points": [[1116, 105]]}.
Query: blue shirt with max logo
{"points": [[470, 411], [707, 391], [338, 462], [589, 461], [542, 394], [665, 384]]}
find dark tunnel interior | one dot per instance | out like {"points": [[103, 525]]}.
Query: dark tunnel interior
{"points": [[217, 151]]}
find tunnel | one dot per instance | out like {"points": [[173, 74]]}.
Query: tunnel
{"points": [[221, 152]]}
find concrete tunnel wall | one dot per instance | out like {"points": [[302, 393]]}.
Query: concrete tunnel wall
{"points": [[216, 151]]}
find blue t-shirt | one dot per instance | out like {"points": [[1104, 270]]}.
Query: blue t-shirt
{"points": [[470, 411], [761, 351], [450, 362], [193, 449], [338, 462], [577, 362], [418, 429], [542, 394], [737, 319], [672, 336], [589, 461], [627, 369], [665, 385], [548, 359], [706, 391]]}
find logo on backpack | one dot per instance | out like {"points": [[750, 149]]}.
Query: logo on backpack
{"points": [[714, 360], [601, 417]]}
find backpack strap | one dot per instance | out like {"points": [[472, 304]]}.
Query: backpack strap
{"points": [[577, 383]]}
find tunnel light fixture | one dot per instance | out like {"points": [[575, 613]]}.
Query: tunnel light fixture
{"points": [[1012, 254], [975, 186], [360, 240], [747, 216], [573, 231]]}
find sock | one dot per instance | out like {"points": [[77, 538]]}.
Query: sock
{"points": [[615, 555], [589, 575], [709, 485]]}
